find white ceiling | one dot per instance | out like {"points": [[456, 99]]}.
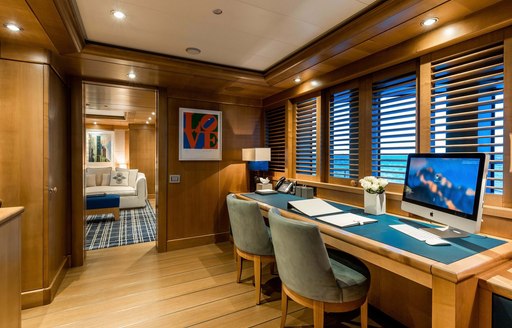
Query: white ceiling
{"points": [[251, 34]]}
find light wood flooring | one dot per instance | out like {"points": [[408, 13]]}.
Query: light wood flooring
{"points": [[134, 286]]}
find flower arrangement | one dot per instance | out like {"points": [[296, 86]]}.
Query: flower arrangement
{"points": [[373, 185]]}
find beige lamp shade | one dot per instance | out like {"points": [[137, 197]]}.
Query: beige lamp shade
{"points": [[256, 154]]}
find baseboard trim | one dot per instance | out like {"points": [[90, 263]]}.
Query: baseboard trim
{"points": [[43, 296], [197, 241]]}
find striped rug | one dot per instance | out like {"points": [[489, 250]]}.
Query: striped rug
{"points": [[134, 226]]}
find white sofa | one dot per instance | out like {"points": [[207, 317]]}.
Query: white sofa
{"points": [[132, 195]]}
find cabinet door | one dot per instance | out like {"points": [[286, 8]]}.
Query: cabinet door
{"points": [[58, 174]]}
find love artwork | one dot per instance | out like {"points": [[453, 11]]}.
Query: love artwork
{"points": [[200, 131], [200, 135]]}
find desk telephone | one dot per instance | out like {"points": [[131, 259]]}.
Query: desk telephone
{"points": [[285, 186]]}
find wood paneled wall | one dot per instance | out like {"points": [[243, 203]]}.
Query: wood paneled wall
{"points": [[33, 103], [143, 152], [197, 212]]}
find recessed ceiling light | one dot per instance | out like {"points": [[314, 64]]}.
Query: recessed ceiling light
{"points": [[132, 75], [430, 21], [149, 118], [193, 51], [315, 83], [217, 11], [12, 27], [147, 122], [95, 123], [153, 113], [118, 14], [297, 80]]}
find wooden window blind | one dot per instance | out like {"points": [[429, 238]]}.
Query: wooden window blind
{"points": [[467, 107], [393, 125], [306, 137], [344, 134], [275, 133]]}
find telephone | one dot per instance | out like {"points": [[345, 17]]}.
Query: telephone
{"points": [[284, 186]]}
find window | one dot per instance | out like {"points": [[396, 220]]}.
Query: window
{"points": [[393, 125], [467, 108], [344, 134], [306, 137], [275, 130]]}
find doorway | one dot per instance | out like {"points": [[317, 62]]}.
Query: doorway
{"points": [[120, 163]]}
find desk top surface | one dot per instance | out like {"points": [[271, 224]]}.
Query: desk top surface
{"points": [[464, 257]]}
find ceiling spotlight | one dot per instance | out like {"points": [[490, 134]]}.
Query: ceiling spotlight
{"points": [[147, 122], [297, 80], [193, 51], [95, 122], [132, 75], [429, 21], [149, 118], [315, 83], [217, 11], [118, 14], [153, 113], [12, 27]]}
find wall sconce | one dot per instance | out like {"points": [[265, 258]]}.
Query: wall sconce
{"points": [[258, 159]]}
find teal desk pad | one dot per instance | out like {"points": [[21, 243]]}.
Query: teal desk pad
{"points": [[380, 231]]}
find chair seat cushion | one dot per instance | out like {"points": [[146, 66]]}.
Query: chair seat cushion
{"points": [[352, 276]]}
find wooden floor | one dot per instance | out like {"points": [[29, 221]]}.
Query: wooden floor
{"points": [[134, 286]]}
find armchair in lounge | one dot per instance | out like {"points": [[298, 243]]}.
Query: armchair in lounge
{"points": [[251, 237], [321, 279]]}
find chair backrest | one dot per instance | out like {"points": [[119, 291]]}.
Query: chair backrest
{"points": [[250, 233], [302, 259]]}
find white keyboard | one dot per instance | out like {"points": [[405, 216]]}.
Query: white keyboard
{"points": [[419, 234]]}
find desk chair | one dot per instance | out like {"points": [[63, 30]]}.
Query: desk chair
{"points": [[326, 281], [251, 237]]}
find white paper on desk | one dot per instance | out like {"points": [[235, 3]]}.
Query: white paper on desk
{"points": [[346, 219], [314, 207]]}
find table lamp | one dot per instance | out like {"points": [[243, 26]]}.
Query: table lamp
{"points": [[258, 159]]}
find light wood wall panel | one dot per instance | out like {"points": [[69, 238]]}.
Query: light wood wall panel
{"points": [[21, 156], [197, 211], [143, 151]]}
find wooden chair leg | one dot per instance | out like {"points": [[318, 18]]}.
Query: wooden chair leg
{"points": [[239, 261], [284, 307], [318, 314], [364, 314], [257, 278]]}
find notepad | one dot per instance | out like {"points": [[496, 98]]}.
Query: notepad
{"points": [[313, 207], [345, 220], [266, 191]]}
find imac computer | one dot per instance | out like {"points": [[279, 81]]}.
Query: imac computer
{"points": [[448, 189]]}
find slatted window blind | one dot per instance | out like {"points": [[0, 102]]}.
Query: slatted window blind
{"points": [[305, 147], [344, 134], [467, 108], [275, 132], [393, 125]]}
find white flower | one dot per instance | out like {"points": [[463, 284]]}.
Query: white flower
{"points": [[373, 185]]}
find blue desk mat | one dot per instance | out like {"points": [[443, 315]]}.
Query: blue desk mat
{"points": [[380, 231]]}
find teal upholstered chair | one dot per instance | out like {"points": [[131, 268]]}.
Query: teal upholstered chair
{"points": [[326, 281], [251, 237]]}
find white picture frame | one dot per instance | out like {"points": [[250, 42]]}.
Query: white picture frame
{"points": [[200, 135]]}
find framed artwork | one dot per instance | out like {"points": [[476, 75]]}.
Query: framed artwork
{"points": [[200, 135], [100, 146]]}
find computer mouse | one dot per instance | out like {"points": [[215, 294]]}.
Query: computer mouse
{"points": [[437, 242]]}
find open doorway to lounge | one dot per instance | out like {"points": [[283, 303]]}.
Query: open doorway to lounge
{"points": [[120, 165]]}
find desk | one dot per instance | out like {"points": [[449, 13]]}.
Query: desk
{"points": [[453, 286]]}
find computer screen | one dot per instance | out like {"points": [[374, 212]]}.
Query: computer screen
{"points": [[446, 188]]}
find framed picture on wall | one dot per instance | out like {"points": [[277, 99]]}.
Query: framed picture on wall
{"points": [[100, 146], [200, 135]]}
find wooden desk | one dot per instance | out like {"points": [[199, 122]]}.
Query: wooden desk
{"points": [[10, 267], [453, 287]]}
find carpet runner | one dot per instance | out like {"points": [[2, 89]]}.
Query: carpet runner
{"points": [[137, 225]]}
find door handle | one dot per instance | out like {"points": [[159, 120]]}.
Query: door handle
{"points": [[52, 190]]}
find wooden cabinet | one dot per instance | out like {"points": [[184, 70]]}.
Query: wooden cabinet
{"points": [[10, 267], [34, 172]]}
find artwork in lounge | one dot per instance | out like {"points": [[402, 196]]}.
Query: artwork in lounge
{"points": [[200, 135], [100, 146]]}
